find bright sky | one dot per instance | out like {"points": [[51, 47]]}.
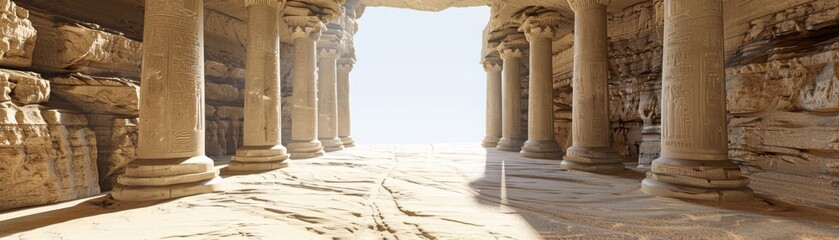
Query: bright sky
{"points": [[418, 77]]}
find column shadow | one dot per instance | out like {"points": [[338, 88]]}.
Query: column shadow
{"points": [[97, 206], [561, 204]]}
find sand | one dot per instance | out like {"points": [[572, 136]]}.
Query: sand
{"points": [[454, 191]]}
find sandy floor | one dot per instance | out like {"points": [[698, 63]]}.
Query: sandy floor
{"points": [[422, 192]]}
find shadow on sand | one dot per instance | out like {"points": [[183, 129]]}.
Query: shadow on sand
{"points": [[574, 204]]}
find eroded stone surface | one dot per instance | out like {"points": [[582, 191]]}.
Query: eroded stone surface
{"points": [[24, 87], [66, 47], [47, 156], [98, 94], [17, 40], [425, 192]]}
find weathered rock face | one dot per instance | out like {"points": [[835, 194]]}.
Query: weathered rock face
{"points": [[23, 87], [69, 48], [47, 156], [224, 130], [17, 36], [781, 75], [117, 143], [635, 59], [86, 142], [99, 95], [783, 106]]}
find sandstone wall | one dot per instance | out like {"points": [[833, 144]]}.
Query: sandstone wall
{"points": [[70, 118], [781, 76]]}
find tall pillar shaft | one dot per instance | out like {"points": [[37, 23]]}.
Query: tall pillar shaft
{"points": [[304, 130], [591, 148], [694, 159], [262, 148], [344, 67], [541, 142], [512, 137], [327, 99], [493, 68], [170, 153]]}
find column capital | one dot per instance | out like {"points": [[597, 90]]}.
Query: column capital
{"points": [[331, 40], [512, 48], [544, 26], [330, 53], [346, 64], [580, 4], [276, 4], [305, 26], [492, 64]]}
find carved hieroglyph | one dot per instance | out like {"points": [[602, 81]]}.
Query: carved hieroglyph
{"points": [[170, 154], [305, 30], [694, 139], [591, 149], [540, 31], [345, 66], [493, 68], [511, 51], [328, 53], [262, 148]]}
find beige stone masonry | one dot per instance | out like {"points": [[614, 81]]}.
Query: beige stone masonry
{"points": [[329, 50], [512, 51], [694, 159], [305, 30], [591, 149], [540, 31], [262, 148], [345, 66], [493, 67], [170, 154]]}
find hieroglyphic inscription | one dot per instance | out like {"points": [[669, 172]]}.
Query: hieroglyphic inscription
{"points": [[693, 90], [173, 77]]}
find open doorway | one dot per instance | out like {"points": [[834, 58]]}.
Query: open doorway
{"points": [[419, 79]]}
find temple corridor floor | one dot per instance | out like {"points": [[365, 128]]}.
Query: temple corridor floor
{"points": [[454, 191]]}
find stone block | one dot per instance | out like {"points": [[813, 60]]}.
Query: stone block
{"points": [[45, 157], [17, 35], [69, 48], [99, 95], [25, 87], [221, 92]]}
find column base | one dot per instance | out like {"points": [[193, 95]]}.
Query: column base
{"points": [[332, 144], [160, 179], [715, 180], [490, 142], [348, 141], [592, 159], [510, 144], [305, 149], [544, 149], [258, 158], [662, 189]]}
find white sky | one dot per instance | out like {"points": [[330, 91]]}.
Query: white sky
{"points": [[418, 77]]}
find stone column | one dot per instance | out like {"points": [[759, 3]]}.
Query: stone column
{"points": [[591, 148], [328, 54], [170, 155], [511, 52], [345, 66], [493, 68], [541, 142], [305, 30], [262, 148], [694, 139]]}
